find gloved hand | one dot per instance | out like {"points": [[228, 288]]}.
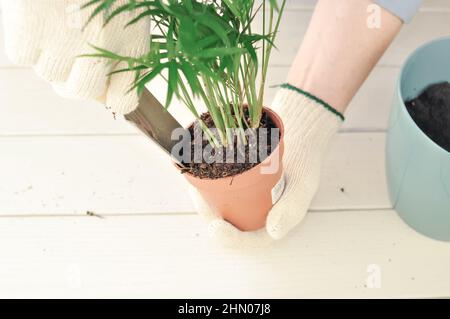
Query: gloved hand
{"points": [[48, 35], [309, 125]]}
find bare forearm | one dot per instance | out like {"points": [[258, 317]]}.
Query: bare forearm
{"points": [[340, 49]]}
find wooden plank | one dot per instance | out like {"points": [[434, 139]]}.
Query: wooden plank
{"points": [[433, 4], [426, 26], [129, 175], [431, 22], [369, 110], [353, 175], [30, 107], [329, 255], [72, 175], [4, 61], [371, 106]]}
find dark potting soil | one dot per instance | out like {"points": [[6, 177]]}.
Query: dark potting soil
{"points": [[213, 169], [431, 112]]}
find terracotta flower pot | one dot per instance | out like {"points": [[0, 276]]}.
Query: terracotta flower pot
{"points": [[245, 199]]}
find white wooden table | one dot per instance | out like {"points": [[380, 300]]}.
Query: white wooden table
{"points": [[60, 159]]}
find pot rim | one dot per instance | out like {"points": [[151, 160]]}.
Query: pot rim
{"points": [[409, 61], [232, 178]]}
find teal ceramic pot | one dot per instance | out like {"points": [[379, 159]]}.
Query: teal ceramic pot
{"points": [[418, 170]]}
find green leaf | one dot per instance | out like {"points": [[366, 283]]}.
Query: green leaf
{"points": [[211, 22], [274, 4], [146, 78], [208, 47], [173, 83], [191, 76], [219, 52], [233, 7]]}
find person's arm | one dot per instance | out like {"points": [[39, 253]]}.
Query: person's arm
{"points": [[337, 54], [340, 49]]}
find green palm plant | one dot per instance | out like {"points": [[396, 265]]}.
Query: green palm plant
{"points": [[204, 50]]}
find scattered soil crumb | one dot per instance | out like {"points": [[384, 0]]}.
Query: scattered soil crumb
{"points": [[92, 214]]}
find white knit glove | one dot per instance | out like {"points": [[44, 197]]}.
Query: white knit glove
{"points": [[48, 35], [309, 125]]}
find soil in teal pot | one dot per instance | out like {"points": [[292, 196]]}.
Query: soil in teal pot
{"points": [[431, 112]]}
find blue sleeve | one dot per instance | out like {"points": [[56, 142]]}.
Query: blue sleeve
{"points": [[404, 9]]}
